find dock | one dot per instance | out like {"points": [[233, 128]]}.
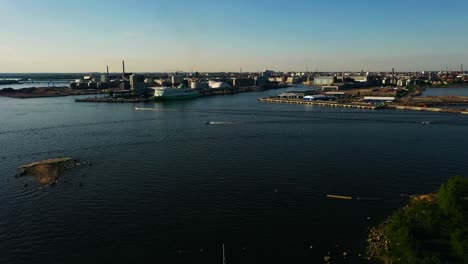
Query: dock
{"points": [[365, 106], [111, 100], [318, 103]]}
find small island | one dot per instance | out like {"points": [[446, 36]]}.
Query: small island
{"points": [[433, 228], [47, 171]]}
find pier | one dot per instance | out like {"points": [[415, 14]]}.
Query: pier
{"points": [[111, 100], [365, 106], [318, 103]]}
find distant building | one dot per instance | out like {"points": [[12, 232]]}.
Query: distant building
{"points": [[291, 95], [318, 97], [336, 94], [104, 78], [330, 87], [292, 80], [280, 79], [324, 80], [176, 80], [267, 73], [358, 78], [137, 82], [260, 80], [378, 99], [217, 85], [149, 81], [242, 82], [92, 85], [198, 85]]}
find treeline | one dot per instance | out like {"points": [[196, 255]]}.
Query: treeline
{"points": [[431, 230], [406, 91], [41, 76]]}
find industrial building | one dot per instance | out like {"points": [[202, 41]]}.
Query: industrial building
{"points": [[318, 97], [242, 82], [137, 82], [378, 99], [324, 80], [198, 85], [218, 85], [291, 95], [292, 80], [176, 80], [359, 78]]}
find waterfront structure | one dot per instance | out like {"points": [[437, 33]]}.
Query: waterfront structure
{"points": [[334, 87], [318, 97], [335, 93], [291, 95]]}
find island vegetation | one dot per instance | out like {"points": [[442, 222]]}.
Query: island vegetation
{"points": [[433, 228], [47, 171]]}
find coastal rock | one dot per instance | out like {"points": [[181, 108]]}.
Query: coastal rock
{"points": [[47, 171]]}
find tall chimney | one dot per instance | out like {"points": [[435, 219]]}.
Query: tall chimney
{"points": [[107, 69], [123, 69]]}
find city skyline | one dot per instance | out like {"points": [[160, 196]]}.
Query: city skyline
{"points": [[208, 36]]}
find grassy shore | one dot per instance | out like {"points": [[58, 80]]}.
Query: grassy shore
{"points": [[433, 228]]}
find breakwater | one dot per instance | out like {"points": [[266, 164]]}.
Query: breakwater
{"points": [[110, 100], [428, 109], [364, 106], [318, 103]]}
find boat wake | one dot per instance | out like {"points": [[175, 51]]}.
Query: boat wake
{"points": [[220, 123], [152, 109]]}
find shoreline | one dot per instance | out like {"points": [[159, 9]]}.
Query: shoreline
{"points": [[45, 92], [365, 106], [63, 91]]}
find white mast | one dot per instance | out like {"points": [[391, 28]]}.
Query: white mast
{"points": [[224, 257]]}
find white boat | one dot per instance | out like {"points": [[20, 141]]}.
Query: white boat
{"points": [[170, 93]]}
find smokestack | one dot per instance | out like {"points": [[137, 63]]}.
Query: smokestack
{"points": [[123, 69], [107, 69]]}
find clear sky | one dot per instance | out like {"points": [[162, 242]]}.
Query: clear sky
{"points": [[218, 35]]}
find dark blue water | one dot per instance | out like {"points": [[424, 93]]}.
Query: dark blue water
{"points": [[167, 188]]}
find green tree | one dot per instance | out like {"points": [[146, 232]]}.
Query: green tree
{"points": [[430, 231]]}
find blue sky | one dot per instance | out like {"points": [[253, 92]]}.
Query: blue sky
{"points": [[208, 35]]}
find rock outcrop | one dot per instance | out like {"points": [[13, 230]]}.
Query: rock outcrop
{"points": [[47, 171]]}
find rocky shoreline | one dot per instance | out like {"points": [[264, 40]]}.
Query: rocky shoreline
{"points": [[40, 92]]}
